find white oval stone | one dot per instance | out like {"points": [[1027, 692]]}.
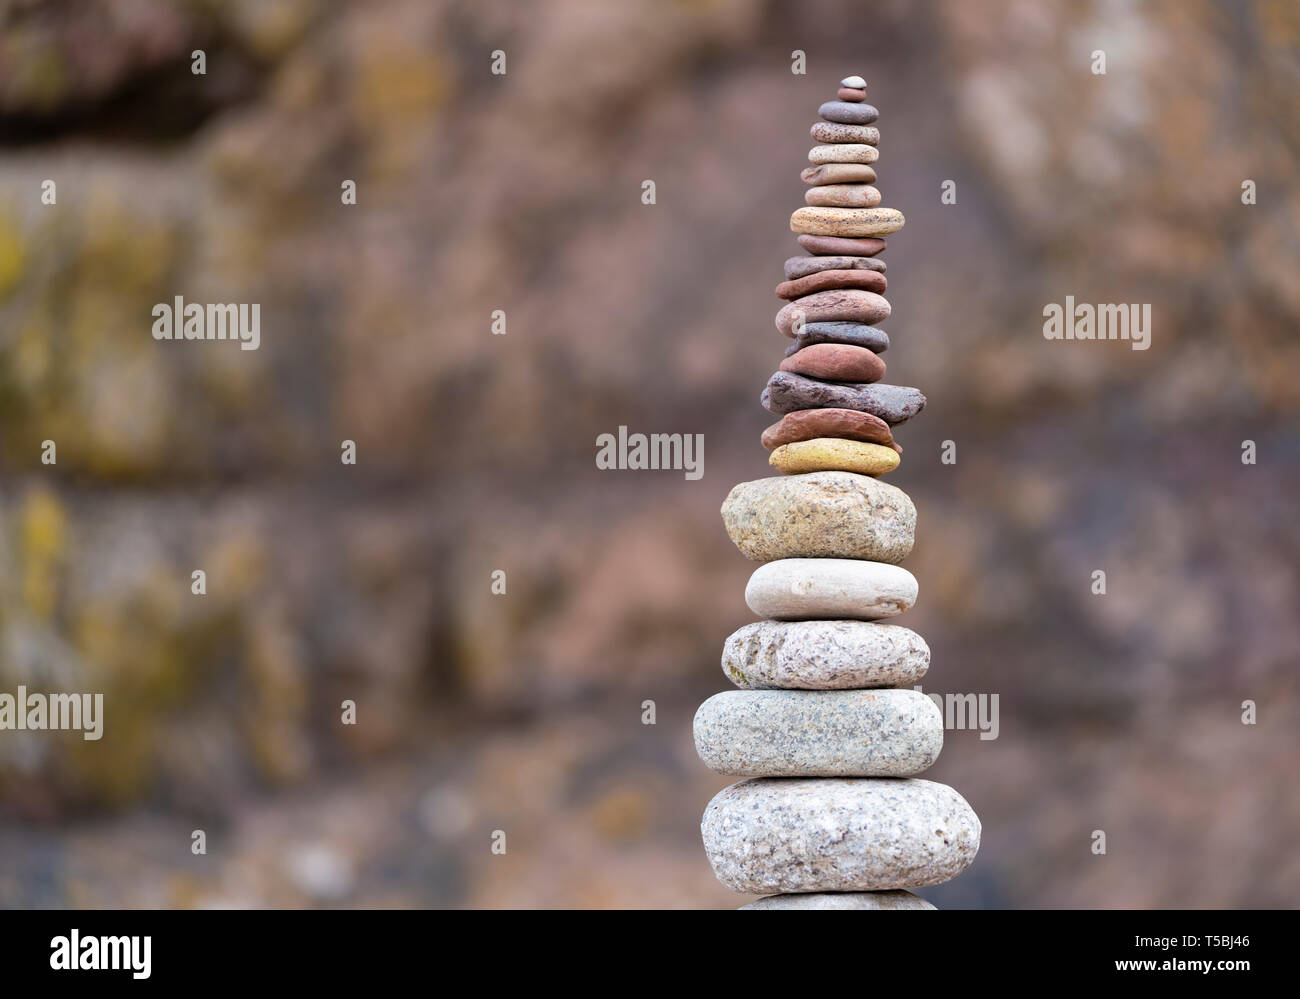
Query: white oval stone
{"points": [[843, 900], [854, 83], [824, 655], [819, 733], [795, 589], [817, 834]]}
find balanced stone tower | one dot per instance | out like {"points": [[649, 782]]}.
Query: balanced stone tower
{"points": [[826, 726]]}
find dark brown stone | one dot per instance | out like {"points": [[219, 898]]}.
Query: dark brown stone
{"points": [[864, 246], [826, 280], [809, 424]]}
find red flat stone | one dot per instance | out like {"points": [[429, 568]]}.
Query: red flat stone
{"points": [[809, 424], [825, 280], [836, 362]]}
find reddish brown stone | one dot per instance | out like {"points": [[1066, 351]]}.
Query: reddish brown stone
{"points": [[864, 246], [825, 280], [809, 424], [837, 305], [836, 362], [851, 95]]}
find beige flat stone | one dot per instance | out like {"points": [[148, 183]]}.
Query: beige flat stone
{"points": [[842, 196], [833, 454], [843, 152], [839, 173], [846, 221]]}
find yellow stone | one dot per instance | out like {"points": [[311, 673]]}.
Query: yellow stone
{"points": [[833, 454], [847, 221]]}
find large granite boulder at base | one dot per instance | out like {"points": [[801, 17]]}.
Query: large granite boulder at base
{"points": [[820, 515], [843, 900], [820, 834]]}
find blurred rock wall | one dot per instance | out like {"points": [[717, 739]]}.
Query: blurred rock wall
{"points": [[476, 452]]}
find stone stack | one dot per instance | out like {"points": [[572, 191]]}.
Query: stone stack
{"points": [[826, 726]]}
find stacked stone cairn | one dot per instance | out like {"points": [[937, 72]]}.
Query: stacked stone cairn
{"points": [[826, 726]]}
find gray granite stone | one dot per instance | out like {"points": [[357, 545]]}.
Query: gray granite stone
{"points": [[819, 733], [849, 113], [829, 834], [858, 334], [824, 655], [832, 514]]}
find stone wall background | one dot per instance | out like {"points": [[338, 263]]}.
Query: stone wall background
{"points": [[522, 192]]}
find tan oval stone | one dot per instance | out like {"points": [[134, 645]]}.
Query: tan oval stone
{"points": [[842, 196], [839, 173], [846, 221], [844, 152], [833, 131], [821, 515]]}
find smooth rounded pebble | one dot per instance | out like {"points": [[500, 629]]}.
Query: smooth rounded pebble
{"points": [[820, 516], [819, 733], [855, 82], [838, 305], [848, 113], [809, 424], [851, 94], [859, 334], [824, 655], [838, 173], [846, 221], [824, 245], [867, 280], [797, 267], [842, 196], [895, 404], [833, 454], [817, 834], [805, 589], [829, 131], [836, 362], [844, 152], [842, 900]]}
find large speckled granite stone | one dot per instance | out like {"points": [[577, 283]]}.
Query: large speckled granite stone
{"points": [[825, 834], [843, 900], [819, 733], [820, 515], [824, 655]]}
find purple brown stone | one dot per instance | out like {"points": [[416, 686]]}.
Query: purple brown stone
{"points": [[851, 94], [830, 280], [894, 404], [797, 267]]}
